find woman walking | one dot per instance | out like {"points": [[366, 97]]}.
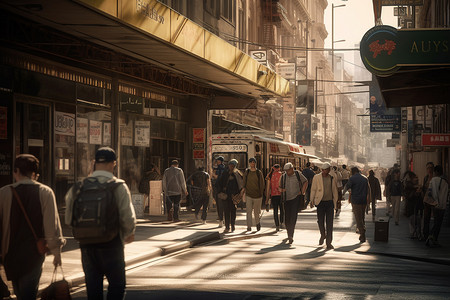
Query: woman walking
{"points": [[230, 184], [274, 195]]}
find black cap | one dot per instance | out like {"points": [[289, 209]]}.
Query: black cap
{"points": [[220, 158], [174, 162], [105, 154], [252, 159]]}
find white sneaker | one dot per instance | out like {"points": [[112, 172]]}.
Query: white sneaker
{"points": [[220, 224], [203, 222]]}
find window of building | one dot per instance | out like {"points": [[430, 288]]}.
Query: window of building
{"points": [[227, 10], [212, 6]]}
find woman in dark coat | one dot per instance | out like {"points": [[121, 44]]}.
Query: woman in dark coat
{"points": [[231, 183], [375, 191]]}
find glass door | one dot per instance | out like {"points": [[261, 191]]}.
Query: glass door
{"points": [[32, 136]]}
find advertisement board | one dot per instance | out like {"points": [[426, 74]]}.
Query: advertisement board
{"points": [[382, 119]]}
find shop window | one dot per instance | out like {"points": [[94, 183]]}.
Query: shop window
{"points": [[64, 158], [94, 130]]}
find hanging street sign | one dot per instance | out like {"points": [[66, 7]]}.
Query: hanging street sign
{"points": [[384, 49]]}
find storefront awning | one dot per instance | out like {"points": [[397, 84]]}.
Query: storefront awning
{"points": [[413, 86], [153, 33], [412, 66]]}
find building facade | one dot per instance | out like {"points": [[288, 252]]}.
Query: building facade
{"points": [[134, 75]]}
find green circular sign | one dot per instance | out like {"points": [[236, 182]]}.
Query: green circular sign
{"points": [[379, 48]]}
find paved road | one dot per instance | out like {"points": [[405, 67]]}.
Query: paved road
{"points": [[267, 267]]}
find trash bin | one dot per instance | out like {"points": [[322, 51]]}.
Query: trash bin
{"points": [[382, 230]]}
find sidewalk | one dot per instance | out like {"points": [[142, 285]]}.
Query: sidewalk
{"points": [[156, 237]]}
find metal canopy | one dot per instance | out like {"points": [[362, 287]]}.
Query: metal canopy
{"points": [[99, 28]]}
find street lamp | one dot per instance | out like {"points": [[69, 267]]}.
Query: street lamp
{"points": [[332, 34]]}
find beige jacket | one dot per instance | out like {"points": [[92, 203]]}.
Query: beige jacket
{"points": [[317, 189], [52, 226]]}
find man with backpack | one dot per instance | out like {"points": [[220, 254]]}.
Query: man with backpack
{"points": [[324, 195], [293, 186], [254, 189], [102, 217]]}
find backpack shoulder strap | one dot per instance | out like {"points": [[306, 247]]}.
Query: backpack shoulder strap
{"points": [[298, 176]]}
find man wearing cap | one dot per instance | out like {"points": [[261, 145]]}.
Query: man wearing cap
{"points": [[107, 259], [21, 260], [253, 189], [174, 185], [324, 195], [217, 172], [292, 185]]}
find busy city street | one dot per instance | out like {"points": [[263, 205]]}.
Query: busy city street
{"points": [[224, 149], [261, 265]]}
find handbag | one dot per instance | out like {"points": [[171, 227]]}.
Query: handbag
{"points": [[237, 198], [58, 289], [41, 243]]}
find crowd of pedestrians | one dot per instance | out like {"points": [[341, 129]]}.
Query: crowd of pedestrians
{"points": [[29, 210]]}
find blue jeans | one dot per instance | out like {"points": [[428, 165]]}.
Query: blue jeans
{"points": [[26, 287], [99, 262]]}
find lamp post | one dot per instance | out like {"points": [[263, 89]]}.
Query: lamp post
{"points": [[332, 34]]}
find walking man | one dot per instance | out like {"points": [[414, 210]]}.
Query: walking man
{"points": [[217, 172], [324, 195], [395, 189], [375, 191], [439, 193], [21, 259], [360, 197], [106, 258], [201, 188], [174, 185], [293, 185], [253, 189]]}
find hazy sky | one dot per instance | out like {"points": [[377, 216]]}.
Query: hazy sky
{"points": [[353, 20]]}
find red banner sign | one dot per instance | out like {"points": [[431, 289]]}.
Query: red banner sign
{"points": [[198, 135], [435, 139]]}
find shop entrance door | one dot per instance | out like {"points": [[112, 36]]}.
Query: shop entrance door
{"points": [[32, 136]]}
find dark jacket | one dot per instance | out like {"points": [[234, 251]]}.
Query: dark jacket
{"points": [[231, 184], [375, 188]]}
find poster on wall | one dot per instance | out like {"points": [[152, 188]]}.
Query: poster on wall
{"points": [[198, 135], [107, 133], [82, 130], [142, 133], [126, 132], [304, 129], [95, 132], [64, 123]]}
